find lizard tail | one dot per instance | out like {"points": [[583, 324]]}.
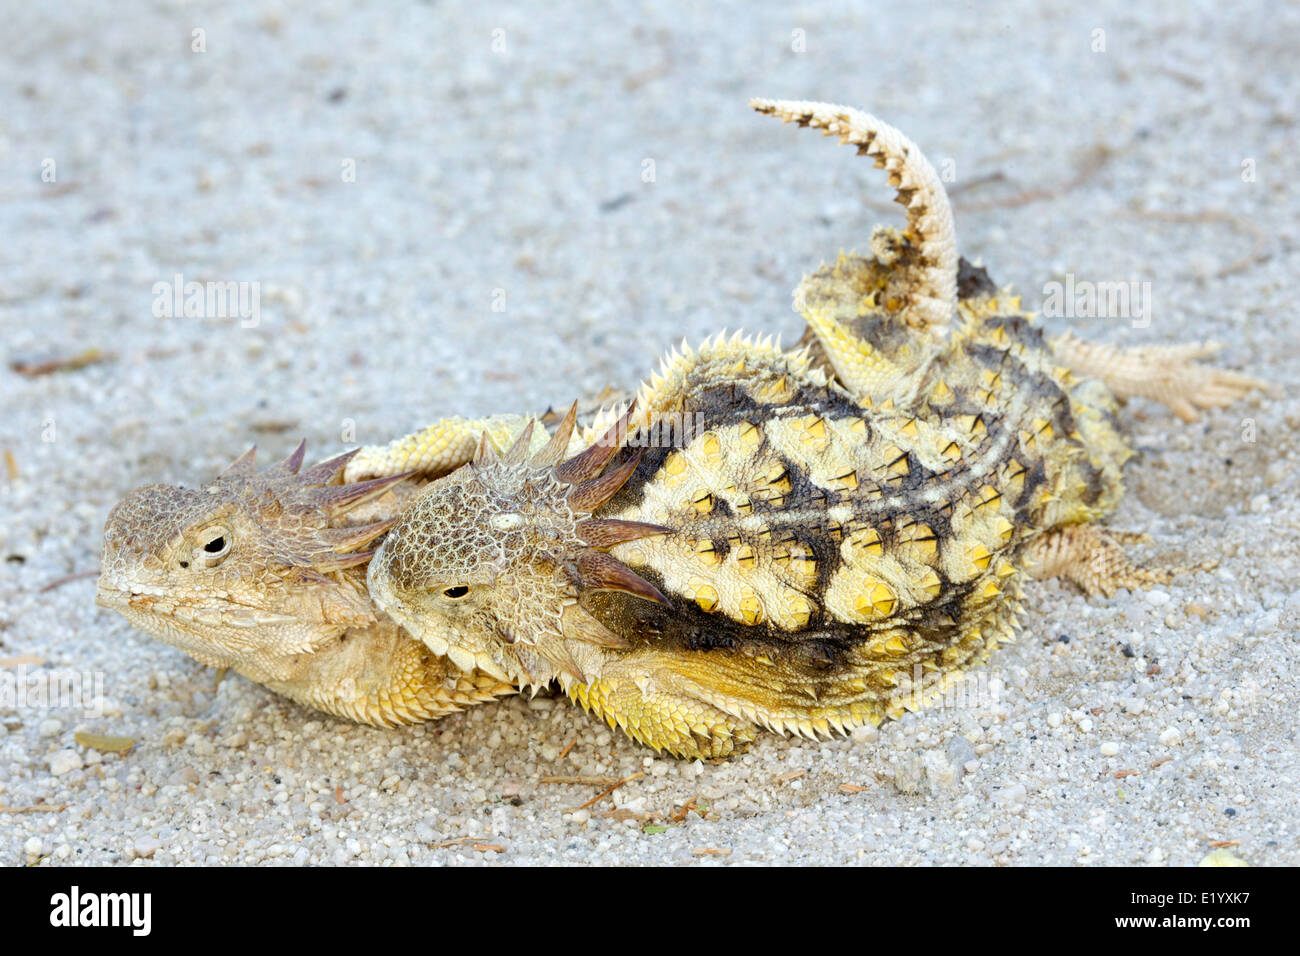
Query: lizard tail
{"points": [[931, 263]]}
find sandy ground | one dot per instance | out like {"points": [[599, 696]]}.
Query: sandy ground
{"points": [[500, 249]]}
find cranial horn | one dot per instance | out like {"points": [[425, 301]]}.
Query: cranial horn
{"points": [[604, 572], [341, 498], [607, 532], [245, 464], [577, 624], [485, 453], [328, 470], [590, 495], [291, 464], [587, 464], [517, 452], [349, 539], [552, 452]]}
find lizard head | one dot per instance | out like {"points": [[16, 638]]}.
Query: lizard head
{"points": [[488, 565], [248, 571]]}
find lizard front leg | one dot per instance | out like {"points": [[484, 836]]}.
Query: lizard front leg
{"points": [[663, 718]]}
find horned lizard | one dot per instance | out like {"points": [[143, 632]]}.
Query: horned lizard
{"points": [[847, 529], [264, 573]]}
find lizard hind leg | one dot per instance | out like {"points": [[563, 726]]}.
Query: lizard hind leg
{"points": [[1169, 374], [1093, 558]]}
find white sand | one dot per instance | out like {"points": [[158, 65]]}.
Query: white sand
{"points": [[522, 171]]}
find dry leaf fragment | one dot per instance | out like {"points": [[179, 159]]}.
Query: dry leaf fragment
{"points": [[711, 851], [681, 813], [105, 743]]}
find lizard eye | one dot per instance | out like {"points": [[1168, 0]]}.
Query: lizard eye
{"points": [[214, 545], [457, 591]]}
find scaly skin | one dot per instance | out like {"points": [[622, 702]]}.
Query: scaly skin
{"points": [[842, 531]]}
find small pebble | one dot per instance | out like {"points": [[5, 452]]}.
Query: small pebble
{"points": [[65, 761], [865, 734], [1109, 749]]}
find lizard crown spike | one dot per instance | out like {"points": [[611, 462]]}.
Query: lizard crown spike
{"points": [[500, 554]]}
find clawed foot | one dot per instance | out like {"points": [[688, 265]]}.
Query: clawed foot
{"points": [[1169, 374]]}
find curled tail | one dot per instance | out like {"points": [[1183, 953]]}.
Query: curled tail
{"points": [[928, 266]]}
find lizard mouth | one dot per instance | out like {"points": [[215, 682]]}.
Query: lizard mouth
{"points": [[260, 644], [208, 614]]}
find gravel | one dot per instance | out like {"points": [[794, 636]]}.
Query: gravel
{"points": [[531, 223]]}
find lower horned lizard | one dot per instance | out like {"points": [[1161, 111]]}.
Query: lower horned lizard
{"points": [[264, 573]]}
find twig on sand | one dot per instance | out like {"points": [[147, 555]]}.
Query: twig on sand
{"points": [[38, 808], [610, 789], [461, 841], [70, 363], [67, 578], [1240, 223], [1097, 157]]}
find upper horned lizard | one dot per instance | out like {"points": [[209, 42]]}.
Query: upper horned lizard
{"points": [[846, 531]]}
